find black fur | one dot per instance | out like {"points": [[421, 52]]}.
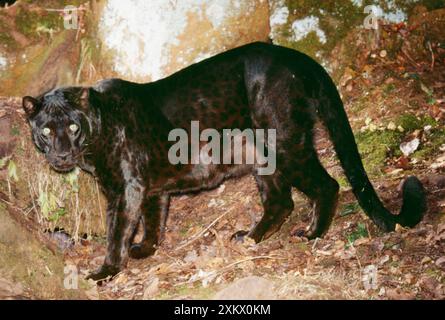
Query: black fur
{"points": [[123, 141]]}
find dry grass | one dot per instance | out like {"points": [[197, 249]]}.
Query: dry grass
{"points": [[321, 285]]}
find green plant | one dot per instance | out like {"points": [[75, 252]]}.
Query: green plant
{"points": [[360, 232], [48, 203], [349, 208], [72, 179], [59, 213], [12, 171]]}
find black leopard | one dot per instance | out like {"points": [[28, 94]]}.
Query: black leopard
{"points": [[118, 131]]}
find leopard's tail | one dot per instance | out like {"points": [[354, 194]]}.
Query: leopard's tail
{"points": [[333, 115]]}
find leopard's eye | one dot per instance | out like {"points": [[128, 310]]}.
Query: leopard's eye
{"points": [[46, 132], [74, 128]]}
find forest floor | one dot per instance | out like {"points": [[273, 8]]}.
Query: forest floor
{"points": [[395, 106]]}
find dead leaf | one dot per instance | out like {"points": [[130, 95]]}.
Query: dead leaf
{"points": [[429, 284], [441, 263], [403, 163], [392, 126]]}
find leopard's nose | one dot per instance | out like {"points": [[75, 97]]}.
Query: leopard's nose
{"points": [[64, 156]]}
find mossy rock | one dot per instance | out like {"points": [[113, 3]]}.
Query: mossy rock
{"points": [[24, 261], [338, 21]]}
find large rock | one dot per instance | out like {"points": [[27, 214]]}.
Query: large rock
{"points": [[147, 40], [251, 288]]}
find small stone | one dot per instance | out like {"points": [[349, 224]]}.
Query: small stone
{"points": [[373, 128], [135, 271], [251, 288], [382, 292], [441, 262], [392, 126], [221, 189]]}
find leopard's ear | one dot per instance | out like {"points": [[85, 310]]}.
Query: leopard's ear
{"points": [[84, 97], [84, 93], [30, 105]]}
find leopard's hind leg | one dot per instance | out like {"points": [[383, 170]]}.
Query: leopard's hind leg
{"points": [[278, 205], [311, 178]]}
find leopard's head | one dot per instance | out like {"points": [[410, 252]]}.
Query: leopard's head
{"points": [[60, 125]]}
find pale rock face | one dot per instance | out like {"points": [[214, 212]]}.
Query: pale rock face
{"points": [[3, 62], [279, 16], [302, 28], [148, 40]]}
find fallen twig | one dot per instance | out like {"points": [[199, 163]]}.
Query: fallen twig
{"points": [[227, 268], [200, 234]]}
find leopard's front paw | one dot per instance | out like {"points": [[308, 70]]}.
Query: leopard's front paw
{"points": [[140, 251], [103, 273], [239, 237]]}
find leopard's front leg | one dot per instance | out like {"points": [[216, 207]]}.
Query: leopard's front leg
{"points": [[123, 214]]}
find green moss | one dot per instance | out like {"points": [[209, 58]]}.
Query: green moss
{"points": [[6, 40], [15, 131], [389, 89], [435, 140], [310, 45], [410, 122], [41, 55], [336, 20], [35, 25], [376, 146]]}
